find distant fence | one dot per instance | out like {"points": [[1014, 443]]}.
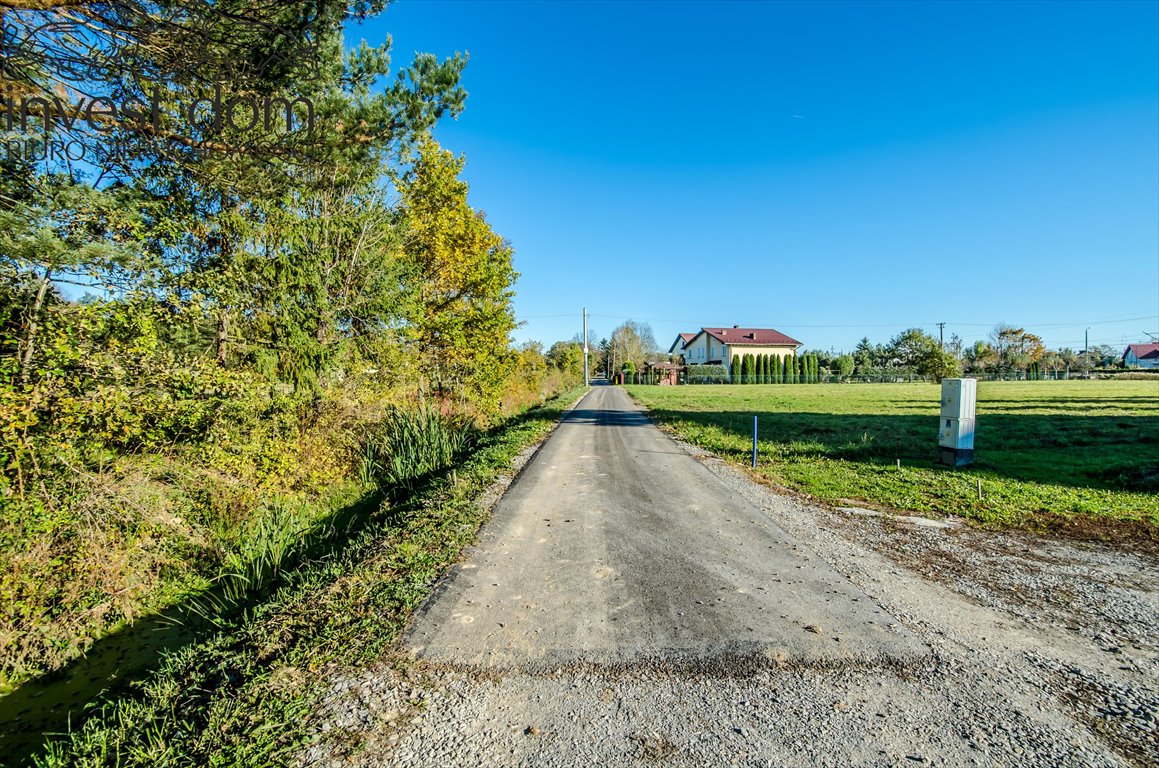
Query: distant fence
{"points": [[911, 378]]}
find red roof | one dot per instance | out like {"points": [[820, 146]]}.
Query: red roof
{"points": [[681, 342], [750, 336], [1143, 351]]}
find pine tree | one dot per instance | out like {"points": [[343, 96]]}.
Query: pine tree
{"points": [[748, 370], [734, 371], [763, 369]]}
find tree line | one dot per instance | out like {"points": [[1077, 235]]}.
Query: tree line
{"points": [[1008, 350]]}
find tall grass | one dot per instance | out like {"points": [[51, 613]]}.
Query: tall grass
{"points": [[399, 453], [276, 537], [408, 446]]}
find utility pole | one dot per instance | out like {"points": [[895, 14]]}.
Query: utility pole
{"points": [[942, 336], [586, 379], [1087, 350]]}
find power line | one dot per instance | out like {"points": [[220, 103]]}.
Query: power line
{"points": [[1064, 325], [907, 324]]}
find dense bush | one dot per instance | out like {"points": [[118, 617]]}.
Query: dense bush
{"points": [[706, 374]]}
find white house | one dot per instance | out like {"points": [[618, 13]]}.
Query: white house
{"points": [[1141, 356], [717, 346], [677, 347]]}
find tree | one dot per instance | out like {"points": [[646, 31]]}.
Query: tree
{"points": [[461, 276], [735, 369], [909, 348], [172, 55], [1052, 361], [57, 231], [863, 355], [748, 369], [1016, 348], [567, 357], [762, 369], [940, 365], [954, 345], [846, 365], [917, 351], [980, 358], [634, 341], [604, 357], [1104, 355]]}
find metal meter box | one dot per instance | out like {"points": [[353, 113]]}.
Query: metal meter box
{"points": [[958, 398], [956, 424]]}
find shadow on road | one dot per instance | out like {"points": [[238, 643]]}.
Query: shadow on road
{"points": [[605, 417]]}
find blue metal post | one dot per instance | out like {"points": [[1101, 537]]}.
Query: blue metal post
{"points": [[754, 441]]}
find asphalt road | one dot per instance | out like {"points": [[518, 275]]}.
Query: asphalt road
{"points": [[617, 545]]}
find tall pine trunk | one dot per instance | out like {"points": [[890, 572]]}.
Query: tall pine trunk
{"points": [[34, 326]]}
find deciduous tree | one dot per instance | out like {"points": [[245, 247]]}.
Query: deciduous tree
{"points": [[461, 276]]}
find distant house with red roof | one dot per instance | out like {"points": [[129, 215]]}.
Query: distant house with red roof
{"points": [[677, 347], [1141, 356], [717, 346]]}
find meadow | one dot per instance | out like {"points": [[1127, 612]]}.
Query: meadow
{"points": [[1081, 456]]}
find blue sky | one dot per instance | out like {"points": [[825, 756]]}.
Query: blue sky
{"points": [[832, 170]]}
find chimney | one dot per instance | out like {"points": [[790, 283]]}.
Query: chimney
{"points": [[736, 326]]}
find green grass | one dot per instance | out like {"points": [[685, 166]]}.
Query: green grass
{"points": [[1082, 455], [245, 695]]}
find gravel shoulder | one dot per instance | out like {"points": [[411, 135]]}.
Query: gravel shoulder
{"points": [[1040, 651]]}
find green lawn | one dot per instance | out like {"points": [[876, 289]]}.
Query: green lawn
{"points": [[1077, 454]]}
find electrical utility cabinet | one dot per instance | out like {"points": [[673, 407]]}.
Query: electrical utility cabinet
{"points": [[956, 428]]}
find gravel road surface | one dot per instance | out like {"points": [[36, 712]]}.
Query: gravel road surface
{"points": [[636, 601]]}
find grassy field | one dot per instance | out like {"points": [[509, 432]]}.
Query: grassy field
{"points": [[1082, 455]]}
